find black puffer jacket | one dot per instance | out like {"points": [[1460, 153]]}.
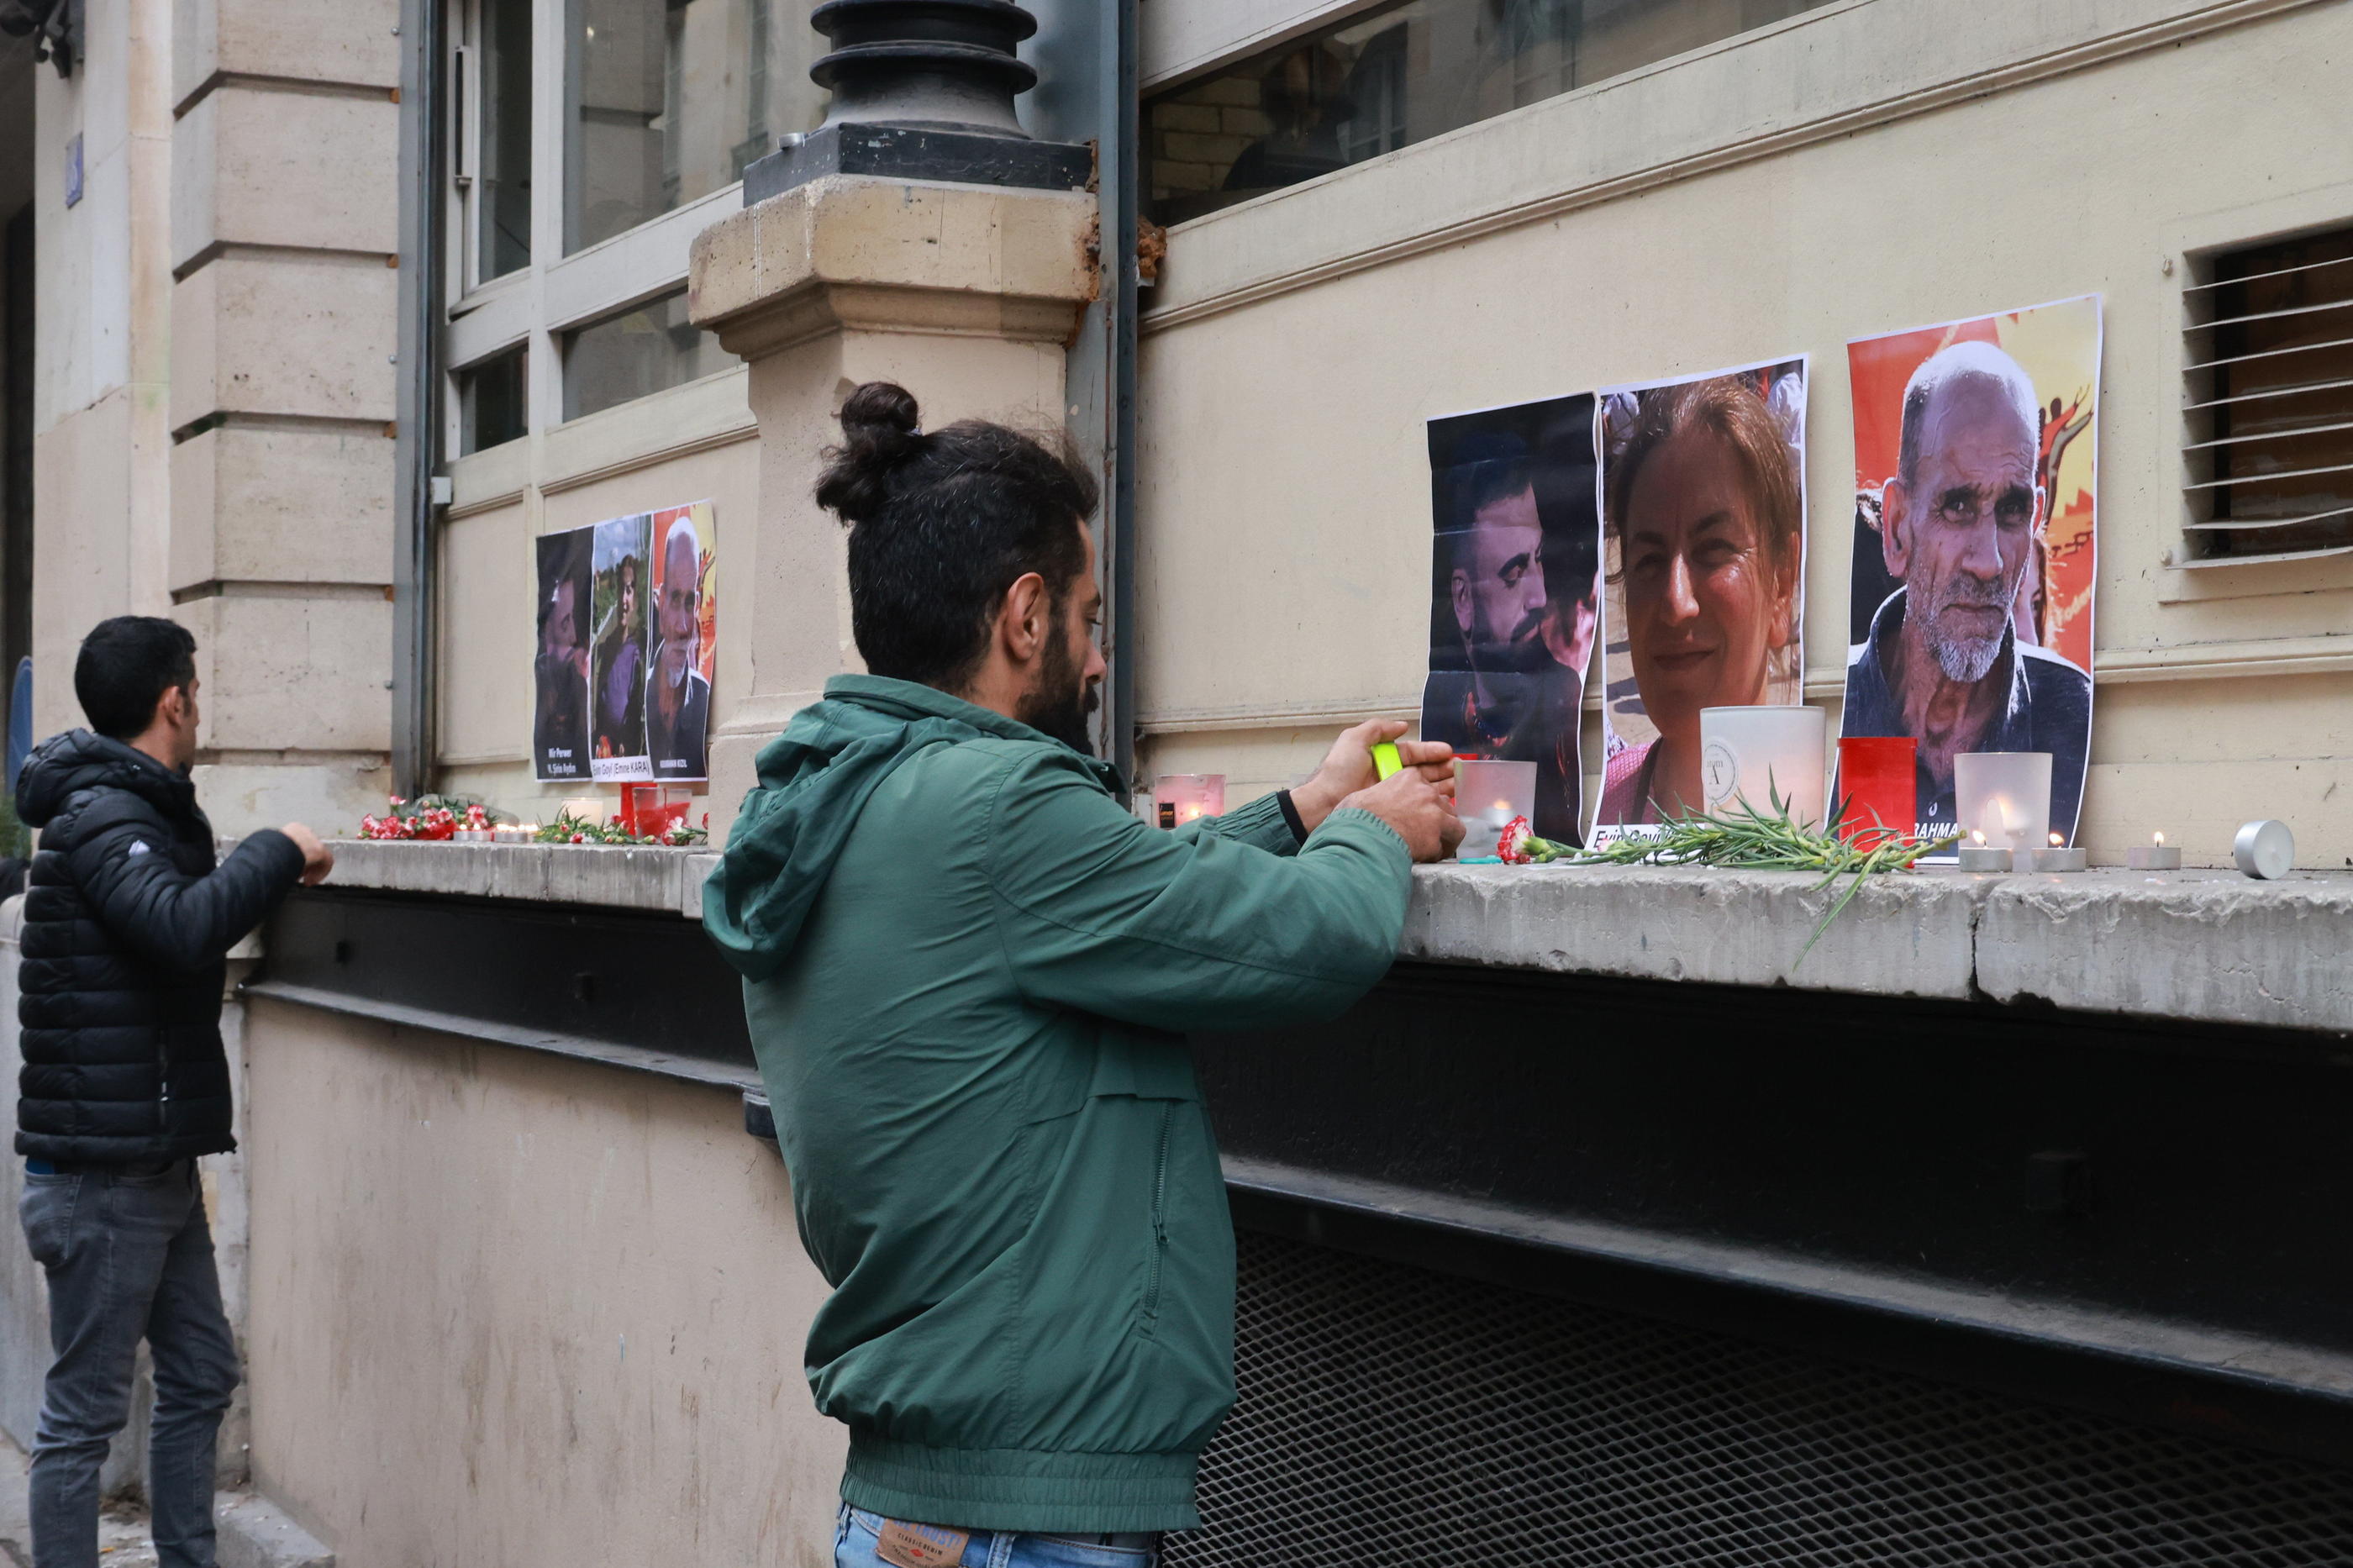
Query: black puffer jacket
{"points": [[127, 925]]}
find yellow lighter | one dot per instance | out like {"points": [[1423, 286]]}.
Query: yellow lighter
{"points": [[1385, 760]]}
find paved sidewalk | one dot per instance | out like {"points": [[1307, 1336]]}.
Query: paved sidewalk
{"points": [[122, 1532]]}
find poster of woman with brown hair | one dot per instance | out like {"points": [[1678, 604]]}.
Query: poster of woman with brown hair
{"points": [[1703, 508]]}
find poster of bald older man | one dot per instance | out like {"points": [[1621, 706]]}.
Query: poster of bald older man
{"points": [[1976, 459], [678, 676]]}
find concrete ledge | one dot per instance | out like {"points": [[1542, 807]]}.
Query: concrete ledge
{"points": [[617, 877], [2207, 945], [255, 1534], [2203, 946], [1902, 936]]}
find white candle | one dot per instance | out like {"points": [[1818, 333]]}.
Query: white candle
{"points": [[2057, 857], [1979, 856], [2156, 856], [2265, 850]]}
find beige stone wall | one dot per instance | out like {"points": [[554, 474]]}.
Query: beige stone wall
{"points": [[1868, 167], [102, 432], [513, 1309], [282, 395]]}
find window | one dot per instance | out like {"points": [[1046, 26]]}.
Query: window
{"points": [[491, 401], [666, 100], [2269, 447], [640, 350], [494, 170], [1402, 73]]}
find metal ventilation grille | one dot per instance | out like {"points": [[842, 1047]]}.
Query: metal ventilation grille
{"points": [[2270, 448], [1390, 1417]]}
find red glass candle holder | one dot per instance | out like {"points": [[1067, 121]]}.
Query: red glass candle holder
{"points": [[1877, 786]]}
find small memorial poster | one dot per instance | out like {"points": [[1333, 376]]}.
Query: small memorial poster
{"points": [[1514, 594]]}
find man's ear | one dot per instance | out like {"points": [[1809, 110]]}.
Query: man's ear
{"points": [[1895, 528], [1021, 622], [1461, 597]]}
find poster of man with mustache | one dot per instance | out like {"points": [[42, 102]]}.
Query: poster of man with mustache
{"points": [[1704, 519], [1977, 455], [1512, 601]]}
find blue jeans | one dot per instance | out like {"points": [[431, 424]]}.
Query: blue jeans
{"points": [[128, 1256], [855, 1538]]}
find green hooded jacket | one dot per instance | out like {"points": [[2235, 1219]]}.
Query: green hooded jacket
{"points": [[968, 973]]}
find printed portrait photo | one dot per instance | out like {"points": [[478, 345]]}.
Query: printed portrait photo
{"points": [[618, 671], [559, 727]]}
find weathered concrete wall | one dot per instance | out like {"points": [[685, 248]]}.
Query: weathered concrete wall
{"points": [[515, 1309], [1866, 168]]}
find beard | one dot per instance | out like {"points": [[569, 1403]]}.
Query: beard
{"points": [[1060, 701], [1522, 651], [1961, 656]]}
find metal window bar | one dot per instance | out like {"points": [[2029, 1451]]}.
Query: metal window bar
{"points": [[2289, 433], [2276, 272], [2259, 522], [2346, 304], [2269, 353], [2261, 479], [2268, 394]]}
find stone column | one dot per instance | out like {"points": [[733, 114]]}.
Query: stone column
{"points": [[285, 229], [965, 295]]}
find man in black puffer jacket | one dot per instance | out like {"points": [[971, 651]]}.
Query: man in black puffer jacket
{"points": [[128, 924]]}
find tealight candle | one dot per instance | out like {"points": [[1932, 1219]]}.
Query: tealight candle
{"points": [[1979, 856], [2154, 856], [515, 833], [2057, 857], [473, 836]]}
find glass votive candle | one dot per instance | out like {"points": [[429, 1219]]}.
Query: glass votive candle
{"points": [[1878, 781], [588, 808], [1488, 795], [1180, 798], [1759, 754], [2003, 799]]}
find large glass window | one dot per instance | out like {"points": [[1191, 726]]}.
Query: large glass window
{"points": [[640, 350], [1403, 73], [503, 203], [666, 100]]}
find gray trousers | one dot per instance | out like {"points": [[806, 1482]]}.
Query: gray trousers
{"points": [[129, 1254]]}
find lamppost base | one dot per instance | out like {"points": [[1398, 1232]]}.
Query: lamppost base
{"points": [[918, 152]]}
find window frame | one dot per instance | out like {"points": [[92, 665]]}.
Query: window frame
{"points": [[555, 293]]}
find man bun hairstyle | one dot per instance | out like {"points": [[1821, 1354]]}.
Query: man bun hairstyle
{"points": [[125, 666], [941, 524]]}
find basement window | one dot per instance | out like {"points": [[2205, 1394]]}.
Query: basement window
{"points": [[2269, 442]]}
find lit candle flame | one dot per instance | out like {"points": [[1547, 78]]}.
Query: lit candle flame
{"points": [[2160, 840], [1979, 836], [2057, 842]]}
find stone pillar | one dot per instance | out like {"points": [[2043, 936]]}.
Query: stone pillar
{"points": [[285, 228], [965, 295]]}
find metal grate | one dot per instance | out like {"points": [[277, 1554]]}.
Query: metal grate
{"points": [[1389, 1415], [2270, 420]]}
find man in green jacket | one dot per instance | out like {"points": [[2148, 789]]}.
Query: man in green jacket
{"points": [[968, 973]]}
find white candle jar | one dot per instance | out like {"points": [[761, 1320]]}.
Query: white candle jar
{"points": [[2005, 796], [1756, 754], [1488, 795]]}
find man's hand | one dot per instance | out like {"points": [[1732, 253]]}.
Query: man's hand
{"points": [[1421, 812], [317, 859], [1348, 768]]}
